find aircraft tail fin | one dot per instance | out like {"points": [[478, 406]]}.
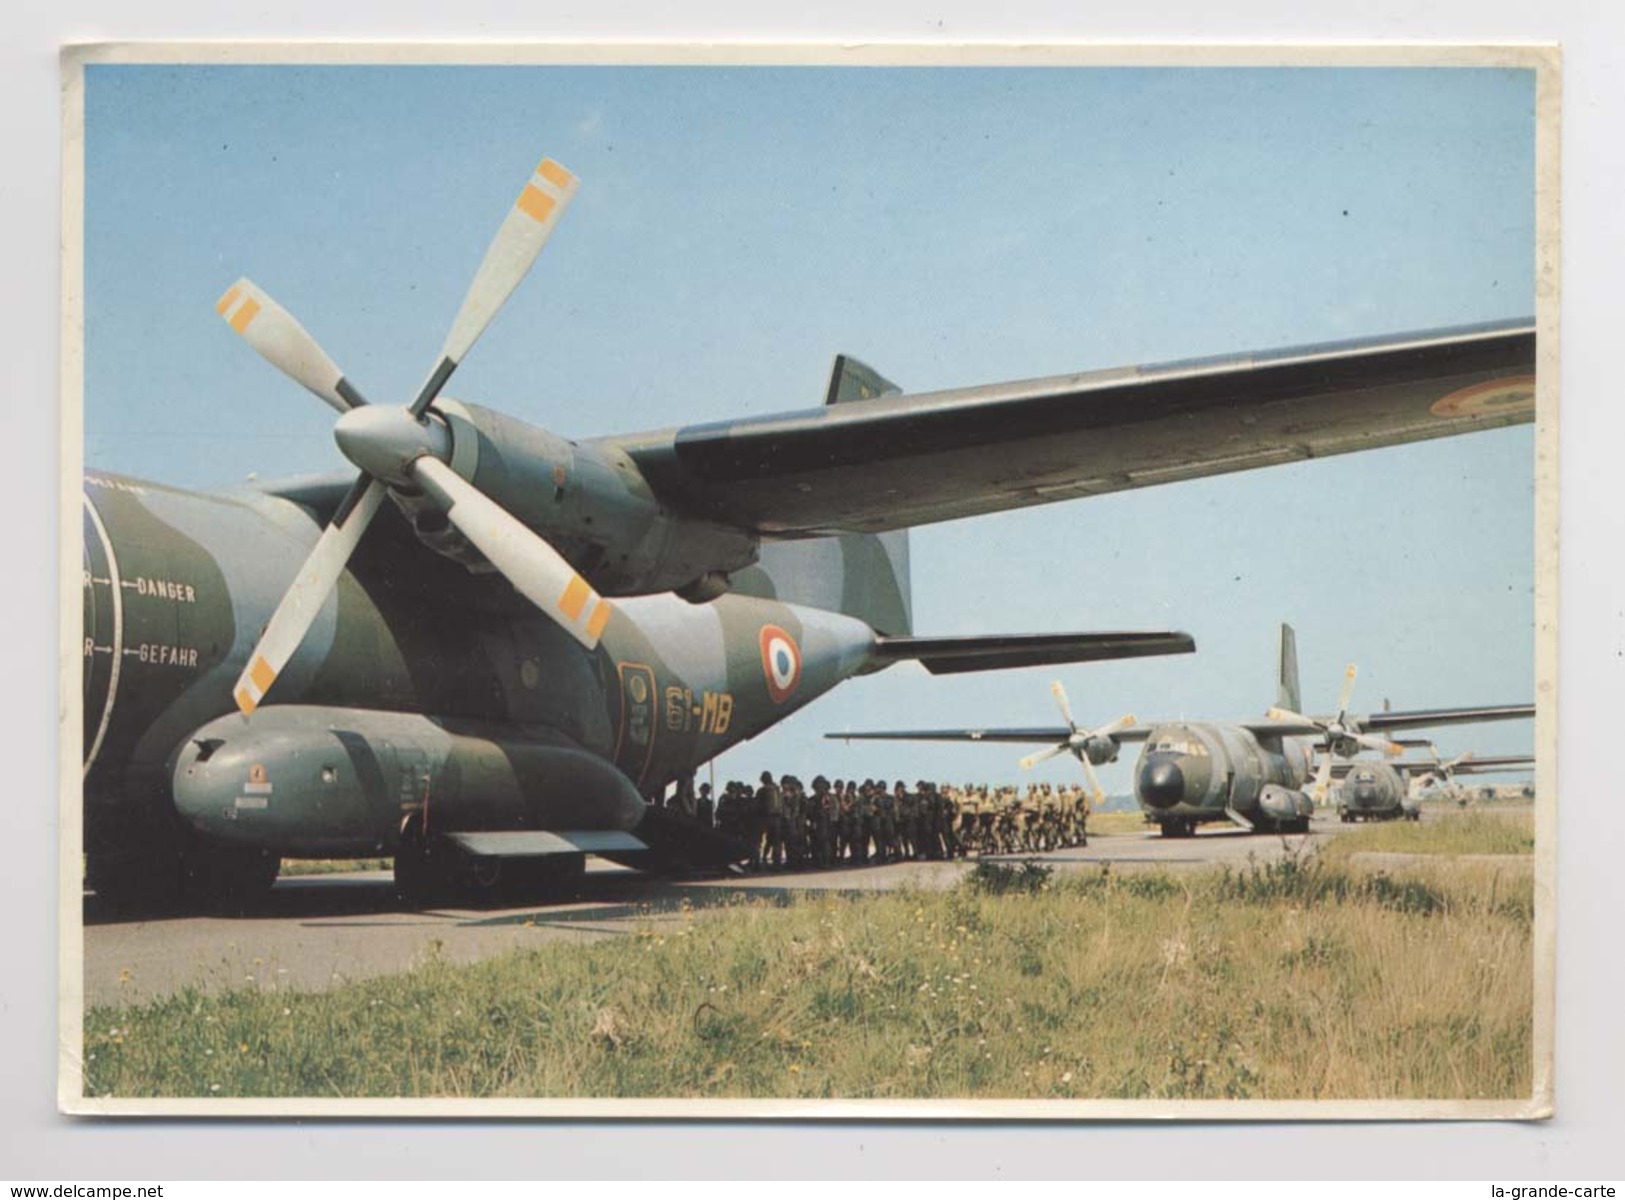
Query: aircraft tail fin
{"points": [[1286, 684], [862, 575]]}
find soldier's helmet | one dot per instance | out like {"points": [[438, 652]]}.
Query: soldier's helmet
{"points": [[819, 783], [767, 776]]}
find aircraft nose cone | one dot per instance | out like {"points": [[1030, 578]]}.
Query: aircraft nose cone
{"points": [[384, 441], [1162, 784]]}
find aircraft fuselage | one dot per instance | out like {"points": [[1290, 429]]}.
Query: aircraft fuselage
{"points": [[1192, 772], [1374, 791], [421, 686]]}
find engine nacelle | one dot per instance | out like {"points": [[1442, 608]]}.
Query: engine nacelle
{"points": [[590, 501], [1101, 750], [1284, 804], [299, 780]]}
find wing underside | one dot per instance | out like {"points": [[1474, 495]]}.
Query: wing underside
{"points": [[897, 461], [1037, 736]]}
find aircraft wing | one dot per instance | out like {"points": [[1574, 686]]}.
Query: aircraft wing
{"points": [[868, 465], [1383, 722], [1472, 766], [1423, 718], [1038, 735], [1265, 727]]}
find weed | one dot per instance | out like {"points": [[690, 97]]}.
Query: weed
{"points": [[999, 879]]}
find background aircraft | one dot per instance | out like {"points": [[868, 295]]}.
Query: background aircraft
{"points": [[1255, 774], [1373, 790]]}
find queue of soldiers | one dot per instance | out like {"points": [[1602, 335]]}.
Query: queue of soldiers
{"points": [[785, 825]]}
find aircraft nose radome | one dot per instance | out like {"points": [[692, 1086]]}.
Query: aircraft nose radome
{"points": [[1162, 784]]}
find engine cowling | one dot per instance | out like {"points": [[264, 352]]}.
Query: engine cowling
{"points": [[590, 502], [315, 781], [1284, 804], [1101, 750]]}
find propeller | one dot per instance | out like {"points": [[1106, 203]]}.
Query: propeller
{"points": [[1444, 771], [1076, 743], [1340, 729], [401, 447]]}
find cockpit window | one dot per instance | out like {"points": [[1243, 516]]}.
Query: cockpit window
{"points": [[1176, 743]]}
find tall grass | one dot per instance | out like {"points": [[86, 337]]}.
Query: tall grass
{"points": [[1441, 831], [1292, 980]]}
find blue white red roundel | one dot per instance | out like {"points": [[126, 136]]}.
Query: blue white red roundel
{"points": [[781, 662]]}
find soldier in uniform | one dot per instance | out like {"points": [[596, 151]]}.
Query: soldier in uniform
{"points": [[907, 807], [795, 821], [850, 824], [948, 816], [868, 823], [825, 814], [683, 802], [704, 807], [929, 844], [770, 799]]}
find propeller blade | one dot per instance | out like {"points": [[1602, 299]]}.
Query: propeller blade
{"points": [[1096, 792], [1457, 761], [1347, 692], [1032, 760], [539, 572], [1122, 722], [1372, 741], [285, 344], [304, 599], [1286, 714], [1059, 693], [1323, 777], [519, 239]]}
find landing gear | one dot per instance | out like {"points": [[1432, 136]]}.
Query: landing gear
{"points": [[425, 867], [228, 881], [434, 870], [1178, 828]]}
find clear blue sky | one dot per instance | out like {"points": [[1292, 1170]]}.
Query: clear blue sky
{"points": [[736, 228]]}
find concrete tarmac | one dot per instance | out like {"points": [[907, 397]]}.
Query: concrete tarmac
{"points": [[318, 931]]}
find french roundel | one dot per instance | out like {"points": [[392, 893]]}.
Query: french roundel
{"points": [[781, 662]]}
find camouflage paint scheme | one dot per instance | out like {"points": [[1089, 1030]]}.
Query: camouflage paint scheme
{"points": [[1252, 772], [1372, 790], [493, 721]]}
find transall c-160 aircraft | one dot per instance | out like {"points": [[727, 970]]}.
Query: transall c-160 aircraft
{"points": [[1373, 790], [1258, 774], [491, 644]]}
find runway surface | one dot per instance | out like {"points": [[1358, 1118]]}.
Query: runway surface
{"points": [[318, 931]]}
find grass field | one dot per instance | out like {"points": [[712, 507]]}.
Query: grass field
{"points": [[333, 866], [1109, 824], [1444, 832], [1301, 979]]}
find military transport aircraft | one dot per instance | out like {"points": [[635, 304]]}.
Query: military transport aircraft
{"points": [[1374, 790], [535, 634], [1255, 774]]}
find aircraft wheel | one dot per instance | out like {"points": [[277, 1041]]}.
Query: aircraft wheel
{"points": [[485, 873], [423, 870], [135, 884], [551, 876], [227, 880]]}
